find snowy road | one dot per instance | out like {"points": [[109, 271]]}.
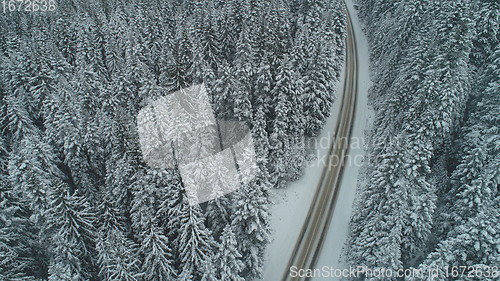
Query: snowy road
{"points": [[337, 232], [309, 244]]}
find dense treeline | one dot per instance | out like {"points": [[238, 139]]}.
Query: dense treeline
{"points": [[77, 200], [433, 170]]}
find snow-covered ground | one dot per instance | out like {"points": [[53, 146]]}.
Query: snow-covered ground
{"points": [[338, 229], [292, 203]]}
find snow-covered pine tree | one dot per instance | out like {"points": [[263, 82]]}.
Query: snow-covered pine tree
{"points": [[223, 93], [66, 39], [20, 122], [228, 259], [17, 241], [227, 31], [289, 82], [243, 76], [178, 70], [195, 243], [144, 203], [487, 24], [276, 39], [218, 209], [33, 170], [262, 94], [169, 215], [260, 137], [312, 27], [71, 223], [121, 168], [117, 257], [318, 94], [250, 223], [158, 264], [212, 46], [279, 139], [117, 254]]}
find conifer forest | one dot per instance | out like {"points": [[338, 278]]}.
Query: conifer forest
{"points": [[80, 201], [77, 200], [431, 198]]}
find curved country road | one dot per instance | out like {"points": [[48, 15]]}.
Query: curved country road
{"points": [[310, 241]]}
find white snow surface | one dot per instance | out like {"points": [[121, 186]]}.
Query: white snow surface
{"points": [[292, 203]]}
